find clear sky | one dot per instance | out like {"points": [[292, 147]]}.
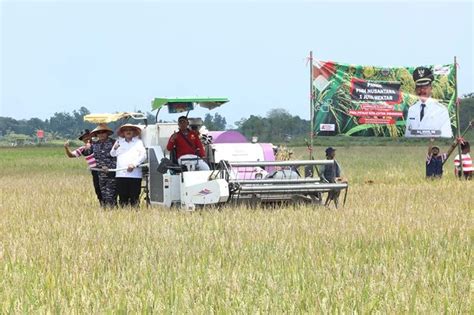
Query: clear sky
{"points": [[118, 55]]}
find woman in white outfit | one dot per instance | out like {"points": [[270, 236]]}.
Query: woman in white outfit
{"points": [[130, 153]]}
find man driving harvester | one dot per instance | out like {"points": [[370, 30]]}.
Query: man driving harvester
{"points": [[189, 149]]}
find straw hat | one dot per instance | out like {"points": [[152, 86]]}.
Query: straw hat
{"points": [[138, 130], [101, 127]]}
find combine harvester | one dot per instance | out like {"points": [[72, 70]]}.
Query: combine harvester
{"points": [[240, 172]]}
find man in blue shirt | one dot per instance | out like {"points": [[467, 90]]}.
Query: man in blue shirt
{"points": [[435, 160]]}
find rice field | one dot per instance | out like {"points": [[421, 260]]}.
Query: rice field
{"points": [[401, 244]]}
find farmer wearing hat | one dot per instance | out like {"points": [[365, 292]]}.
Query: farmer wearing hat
{"points": [[130, 153], [427, 117], [86, 152], [101, 149], [435, 160]]}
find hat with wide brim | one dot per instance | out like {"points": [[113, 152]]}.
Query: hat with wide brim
{"points": [[102, 127], [85, 133], [138, 130]]}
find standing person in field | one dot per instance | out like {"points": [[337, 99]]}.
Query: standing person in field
{"points": [[187, 144], [86, 152], [435, 160], [130, 153], [332, 174], [466, 161], [101, 149]]}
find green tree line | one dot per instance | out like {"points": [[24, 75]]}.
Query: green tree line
{"points": [[466, 111], [68, 125], [60, 125], [277, 126]]}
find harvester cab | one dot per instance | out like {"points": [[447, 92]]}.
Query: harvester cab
{"points": [[182, 185]]}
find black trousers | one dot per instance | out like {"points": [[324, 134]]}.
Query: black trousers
{"points": [[95, 180], [129, 191]]}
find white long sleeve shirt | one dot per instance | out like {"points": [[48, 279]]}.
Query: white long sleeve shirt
{"points": [[435, 123], [132, 152]]}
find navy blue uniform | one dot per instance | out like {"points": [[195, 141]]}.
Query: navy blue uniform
{"points": [[434, 165], [107, 181]]}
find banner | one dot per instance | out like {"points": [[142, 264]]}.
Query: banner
{"points": [[377, 101]]}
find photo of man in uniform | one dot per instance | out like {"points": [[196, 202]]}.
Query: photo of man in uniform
{"points": [[427, 117]]}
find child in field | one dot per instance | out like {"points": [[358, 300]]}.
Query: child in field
{"points": [[466, 161], [435, 160]]}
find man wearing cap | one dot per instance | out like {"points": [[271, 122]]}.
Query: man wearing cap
{"points": [[86, 151], [330, 173], [427, 117], [130, 153], [187, 145], [101, 149]]}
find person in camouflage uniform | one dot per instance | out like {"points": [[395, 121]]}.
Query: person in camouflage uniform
{"points": [[101, 149]]}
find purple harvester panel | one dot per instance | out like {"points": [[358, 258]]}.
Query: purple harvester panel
{"points": [[227, 137]]}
